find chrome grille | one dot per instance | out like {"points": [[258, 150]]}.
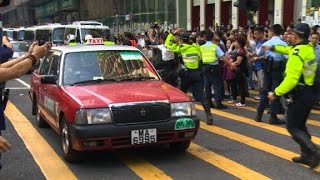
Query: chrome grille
{"points": [[141, 112]]}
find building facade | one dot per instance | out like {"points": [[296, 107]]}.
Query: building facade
{"points": [[140, 15]]}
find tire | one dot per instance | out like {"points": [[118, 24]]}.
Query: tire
{"points": [[41, 123], [69, 154], [180, 146]]}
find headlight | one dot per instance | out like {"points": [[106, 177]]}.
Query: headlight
{"points": [[183, 109], [93, 116]]}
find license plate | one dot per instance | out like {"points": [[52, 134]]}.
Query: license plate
{"points": [[143, 136]]}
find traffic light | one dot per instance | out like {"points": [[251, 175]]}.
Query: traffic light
{"points": [[4, 3]]}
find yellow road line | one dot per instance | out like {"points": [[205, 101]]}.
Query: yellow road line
{"points": [[245, 120], [271, 149], [48, 160], [223, 163], [314, 111], [310, 121], [143, 169]]}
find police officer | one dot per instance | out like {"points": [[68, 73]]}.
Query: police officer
{"points": [[210, 55], [298, 85], [273, 75], [191, 75], [72, 40], [107, 41]]}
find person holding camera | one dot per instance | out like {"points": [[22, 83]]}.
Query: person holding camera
{"points": [[14, 69]]}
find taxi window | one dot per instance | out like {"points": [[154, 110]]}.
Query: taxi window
{"points": [[45, 65], [118, 65], [54, 65]]}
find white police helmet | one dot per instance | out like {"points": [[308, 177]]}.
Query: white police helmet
{"points": [[88, 36]]}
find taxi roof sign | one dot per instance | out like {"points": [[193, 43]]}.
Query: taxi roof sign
{"points": [[95, 41]]}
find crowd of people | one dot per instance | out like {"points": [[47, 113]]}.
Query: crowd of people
{"points": [[280, 62]]}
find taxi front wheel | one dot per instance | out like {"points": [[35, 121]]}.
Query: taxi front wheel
{"points": [[180, 146], [69, 154]]}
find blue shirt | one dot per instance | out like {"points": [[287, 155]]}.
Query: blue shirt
{"points": [[5, 55], [219, 53], [275, 40], [259, 64], [317, 51]]}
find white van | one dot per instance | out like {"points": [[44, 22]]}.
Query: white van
{"points": [[51, 33], [82, 28], [9, 33], [30, 34]]}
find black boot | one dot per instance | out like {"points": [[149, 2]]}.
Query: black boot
{"points": [[311, 153], [209, 119], [274, 120], [258, 117], [221, 106]]}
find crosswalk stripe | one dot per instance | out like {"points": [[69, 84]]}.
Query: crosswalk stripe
{"points": [[224, 164], [271, 149], [257, 93], [245, 120], [48, 160], [143, 169], [310, 121]]}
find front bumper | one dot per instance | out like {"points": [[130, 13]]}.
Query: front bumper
{"points": [[110, 136]]}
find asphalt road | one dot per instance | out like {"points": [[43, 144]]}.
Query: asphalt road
{"points": [[236, 147]]}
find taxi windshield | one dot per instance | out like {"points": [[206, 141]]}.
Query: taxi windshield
{"points": [[106, 65], [20, 46], [96, 33]]}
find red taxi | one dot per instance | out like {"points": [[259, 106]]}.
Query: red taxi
{"points": [[109, 97]]}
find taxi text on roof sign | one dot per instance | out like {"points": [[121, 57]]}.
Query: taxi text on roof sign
{"points": [[95, 41]]}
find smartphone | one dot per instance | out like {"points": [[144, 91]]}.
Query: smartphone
{"points": [[41, 41]]}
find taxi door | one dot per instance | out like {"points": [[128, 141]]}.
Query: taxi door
{"points": [[48, 93]]}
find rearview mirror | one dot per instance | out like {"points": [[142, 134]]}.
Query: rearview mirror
{"points": [[48, 79]]}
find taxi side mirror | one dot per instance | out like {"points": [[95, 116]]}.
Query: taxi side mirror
{"points": [[48, 79]]}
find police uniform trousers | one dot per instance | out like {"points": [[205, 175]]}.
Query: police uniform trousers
{"points": [[212, 76], [191, 79], [273, 77], [171, 75], [297, 115]]}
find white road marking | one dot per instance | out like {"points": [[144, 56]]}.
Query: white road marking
{"points": [[17, 88], [22, 82]]}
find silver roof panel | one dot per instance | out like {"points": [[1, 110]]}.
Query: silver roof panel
{"points": [[80, 48]]}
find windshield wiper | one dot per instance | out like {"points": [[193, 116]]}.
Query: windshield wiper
{"points": [[94, 81], [136, 78]]}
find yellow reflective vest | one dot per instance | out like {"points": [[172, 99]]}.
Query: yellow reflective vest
{"points": [[190, 52], [301, 61], [208, 53], [108, 43], [72, 44]]}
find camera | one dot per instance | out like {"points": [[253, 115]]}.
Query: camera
{"points": [[41, 41]]}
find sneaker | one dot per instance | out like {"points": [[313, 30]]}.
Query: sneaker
{"points": [[231, 102], [239, 104], [256, 97]]}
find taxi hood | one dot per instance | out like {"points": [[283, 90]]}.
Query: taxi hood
{"points": [[101, 95]]}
